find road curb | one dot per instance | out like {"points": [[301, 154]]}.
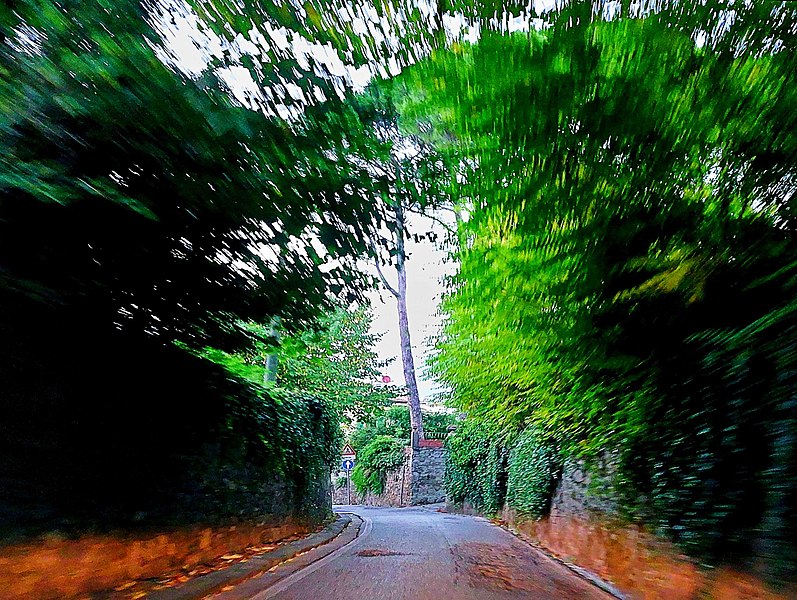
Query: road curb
{"points": [[277, 580], [214, 582]]}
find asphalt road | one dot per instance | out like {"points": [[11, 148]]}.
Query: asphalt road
{"points": [[421, 554]]}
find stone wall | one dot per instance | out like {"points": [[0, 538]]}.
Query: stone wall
{"points": [[428, 467], [582, 491], [396, 492]]}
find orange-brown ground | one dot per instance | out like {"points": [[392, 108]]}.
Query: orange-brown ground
{"points": [[55, 568]]}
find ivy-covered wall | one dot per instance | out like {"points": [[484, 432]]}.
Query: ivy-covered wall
{"points": [[488, 471], [380, 457], [476, 468], [579, 507], [533, 468], [396, 487], [104, 432], [410, 477]]}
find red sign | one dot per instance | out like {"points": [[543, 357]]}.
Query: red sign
{"points": [[348, 451], [431, 443]]}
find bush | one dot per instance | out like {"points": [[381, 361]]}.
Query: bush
{"points": [[533, 469], [381, 455]]}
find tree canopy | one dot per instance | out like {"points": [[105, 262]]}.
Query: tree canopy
{"points": [[333, 360], [151, 202]]}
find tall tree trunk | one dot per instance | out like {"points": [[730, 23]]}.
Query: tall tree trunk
{"points": [[404, 330], [272, 358]]}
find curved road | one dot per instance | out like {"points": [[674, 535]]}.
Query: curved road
{"points": [[421, 554]]}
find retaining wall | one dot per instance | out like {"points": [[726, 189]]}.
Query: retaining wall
{"points": [[583, 528], [428, 467]]}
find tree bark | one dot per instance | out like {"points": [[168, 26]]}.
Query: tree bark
{"points": [[407, 360], [272, 358]]}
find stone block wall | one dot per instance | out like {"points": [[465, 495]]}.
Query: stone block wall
{"points": [[428, 468], [583, 491]]}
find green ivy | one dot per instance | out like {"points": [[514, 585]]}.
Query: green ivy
{"points": [[291, 436], [476, 468], [533, 470], [382, 455], [487, 469]]}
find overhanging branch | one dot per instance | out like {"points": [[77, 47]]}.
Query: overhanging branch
{"points": [[439, 221], [385, 282]]}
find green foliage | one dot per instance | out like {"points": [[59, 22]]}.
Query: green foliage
{"points": [[334, 360], [154, 203], [337, 361], [335, 366], [487, 469], [395, 422], [291, 435], [533, 469], [627, 261], [382, 455], [400, 36], [476, 467], [713, 453]]}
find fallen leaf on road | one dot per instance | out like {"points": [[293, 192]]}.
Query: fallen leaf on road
{"points": [[124, 586]]}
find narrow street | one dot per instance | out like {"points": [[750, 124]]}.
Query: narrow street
{"points": [[420, 554]]}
